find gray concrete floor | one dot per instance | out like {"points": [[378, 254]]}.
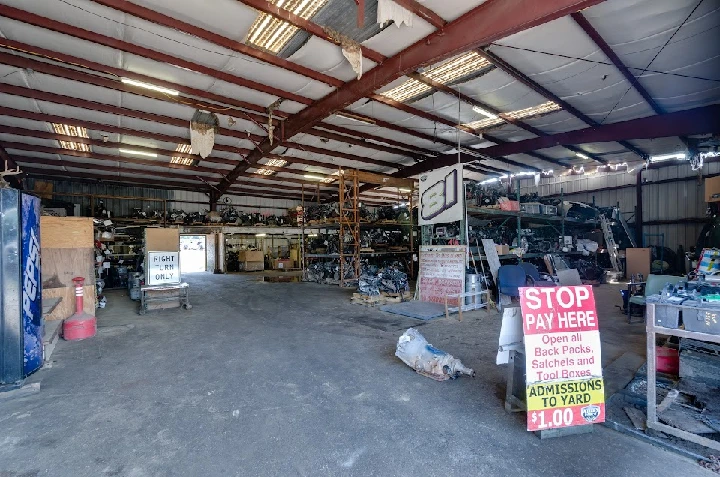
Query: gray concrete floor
{"points": [[284, 379]]}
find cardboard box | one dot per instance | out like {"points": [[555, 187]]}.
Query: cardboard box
{"points": [[712, 189], [294, 254], [502, 249], [251, 256], [252, 266], [284, 264], [637, 261]]}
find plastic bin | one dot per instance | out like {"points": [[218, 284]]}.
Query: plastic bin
{"points": [[549, 210], [667, 360], [667, 316], [703, 320], [531, 208]]}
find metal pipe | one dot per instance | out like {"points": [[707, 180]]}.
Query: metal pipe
{"points": [[639, 208]]}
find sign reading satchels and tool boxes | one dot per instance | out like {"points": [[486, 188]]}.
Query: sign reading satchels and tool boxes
{"points": [[163, 268], [564, 384]]}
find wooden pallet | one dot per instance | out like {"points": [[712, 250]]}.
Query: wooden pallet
{"points": [[382, 299]]}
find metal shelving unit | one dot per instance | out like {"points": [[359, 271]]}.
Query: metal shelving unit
{"points": [[349, 223], [652, 420]]}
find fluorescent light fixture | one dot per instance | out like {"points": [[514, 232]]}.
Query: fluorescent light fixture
{"points": [[313, 177], [76, 131], [582, 156], [523, 174], [405, 190], [271, 33], [484, 123], [312, 235], [445, 73], [182, 160], [538, 110], [547, 173], [260, 235], [159, 89], [137, 153], [480, 110], [490, 181], [667, 157], [532, 111], [356, 117]]}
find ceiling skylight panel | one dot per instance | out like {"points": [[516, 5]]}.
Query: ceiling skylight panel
{"points": [[445, 73], [181, 160], [271, 33], [75, 131]]}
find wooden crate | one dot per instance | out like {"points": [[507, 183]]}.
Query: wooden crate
{"points": [[66, 232]]}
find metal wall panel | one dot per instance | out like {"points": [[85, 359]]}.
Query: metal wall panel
{"points": [[668, 201], [187, 201]]}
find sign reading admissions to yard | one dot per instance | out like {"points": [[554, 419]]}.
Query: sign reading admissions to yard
{"points": [[564, 385], [163, 268]]}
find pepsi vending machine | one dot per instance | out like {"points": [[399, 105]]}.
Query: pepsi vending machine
{"points": [[21, 320]]}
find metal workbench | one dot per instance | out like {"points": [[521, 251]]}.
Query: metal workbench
{"points": [[652, 421], [183, 296]]}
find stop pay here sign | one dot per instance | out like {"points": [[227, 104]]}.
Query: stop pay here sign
{"points": [[564, 385]]}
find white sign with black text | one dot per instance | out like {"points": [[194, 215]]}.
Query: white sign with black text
{"points": [[162, 268], [441, 195]]}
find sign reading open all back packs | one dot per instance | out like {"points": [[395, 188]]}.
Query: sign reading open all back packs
{"points": [[564, 384]]}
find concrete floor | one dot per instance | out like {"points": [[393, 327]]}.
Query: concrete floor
{"points": [[284, 379]]}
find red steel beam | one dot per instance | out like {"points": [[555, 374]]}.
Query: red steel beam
{"points": [[170, 22], [74, 74], [164, 20], [362, 143], [96, 38], [107, 157], [615, 59], [55, 70], [491, 21], [369, 137], [520, 77], [121, 73], [703, 120], [310, 27], [517, 122], [342, 155], [48, 118], [108, 144], [53, 174], [116, 110], [99, 167], [423, 12], [81, 103]]}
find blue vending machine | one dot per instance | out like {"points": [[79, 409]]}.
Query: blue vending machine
{"points": [[21, 320]]}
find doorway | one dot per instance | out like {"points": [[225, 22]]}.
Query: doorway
{"points": [[193, 258]]}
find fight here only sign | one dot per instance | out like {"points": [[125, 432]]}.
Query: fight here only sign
{"points": [[564, 385]]}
